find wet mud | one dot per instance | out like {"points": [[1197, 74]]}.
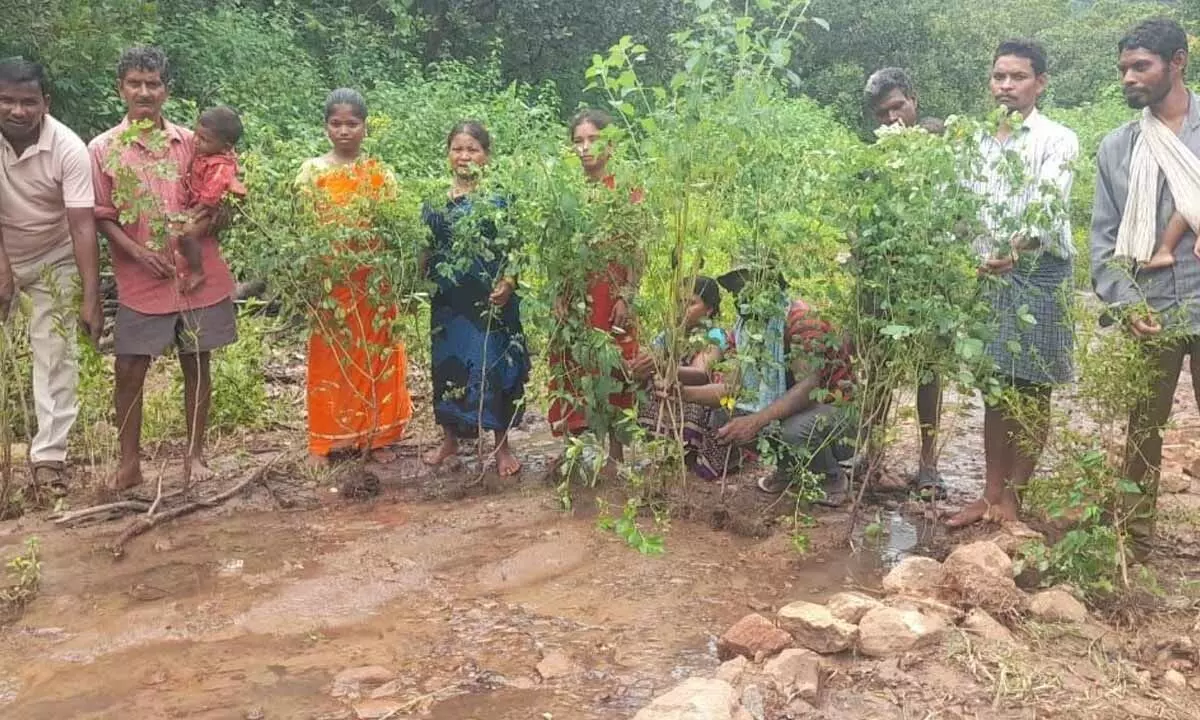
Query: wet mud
{"points": [[458, 584]]}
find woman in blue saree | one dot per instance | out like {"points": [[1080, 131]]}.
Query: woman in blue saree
{"points": [[480, 362]]}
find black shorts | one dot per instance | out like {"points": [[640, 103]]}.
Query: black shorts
{"points": [[189, 331]]}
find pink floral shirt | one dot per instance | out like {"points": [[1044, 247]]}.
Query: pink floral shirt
{"points": [[162, 174]]}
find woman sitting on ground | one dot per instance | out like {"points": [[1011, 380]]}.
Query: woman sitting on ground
{"points": [[708, 345]]}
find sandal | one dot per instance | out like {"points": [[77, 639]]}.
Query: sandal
{"points": [[834, 488], [57, 482], [930, 485], [774, 483], [834, 491]]}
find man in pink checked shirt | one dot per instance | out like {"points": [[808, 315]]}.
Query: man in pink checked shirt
{"points": [[153, 313]]}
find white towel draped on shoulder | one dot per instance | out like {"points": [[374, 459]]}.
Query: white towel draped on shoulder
{"points": [[1157, 148]]}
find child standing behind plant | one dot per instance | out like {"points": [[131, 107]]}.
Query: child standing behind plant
{"points": [[211, 177]]}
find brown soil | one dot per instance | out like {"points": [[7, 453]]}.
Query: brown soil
{"points": [[461, 583]]}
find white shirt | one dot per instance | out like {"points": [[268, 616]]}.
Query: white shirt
{"points": [[1046, 150]]}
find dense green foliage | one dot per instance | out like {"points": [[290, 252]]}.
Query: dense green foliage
{"points": [[275, 58], [738, 123]]}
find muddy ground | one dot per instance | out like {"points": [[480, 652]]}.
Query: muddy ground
{"points": [[459, 586]]}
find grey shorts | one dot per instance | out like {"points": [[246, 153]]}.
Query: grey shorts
{"points": [[189, 331]]}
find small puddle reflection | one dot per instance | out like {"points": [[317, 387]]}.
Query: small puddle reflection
{"points": [[893, 536]]}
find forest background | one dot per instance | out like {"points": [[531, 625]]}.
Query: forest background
{"points": [[523, 66]]}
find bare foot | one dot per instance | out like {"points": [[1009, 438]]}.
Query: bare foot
{"points": [[983, 510], [971, 514], [1159, 260], [192, 283], [506, 463], [195, 471], [127, 476], [1007, 510], [317, 461], [887, 481], [438, 455], [384, 456]]}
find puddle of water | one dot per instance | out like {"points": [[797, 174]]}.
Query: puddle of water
{"points": [[469, 596], [894, 536]]}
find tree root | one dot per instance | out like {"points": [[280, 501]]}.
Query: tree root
{"points": [[109, 510], [150, 521]]}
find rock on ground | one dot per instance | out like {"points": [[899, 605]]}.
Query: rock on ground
{"points": [[984, 555], [891, 631], [978, 622], [732, 671], [916, 575], [1175, 679], [796, 673], [979, 574], [799, 709], [754, 703], [1013, 535], [356, 682], [928, 606], [377, 709], [815, 628], [1056, 605], [754, 637], [693, 699], [851, 606]]}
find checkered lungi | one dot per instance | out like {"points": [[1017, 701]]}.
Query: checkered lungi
{"points": [[1041, 352]]}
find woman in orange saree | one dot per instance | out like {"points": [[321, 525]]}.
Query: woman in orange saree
{"points": [[357, 395]]}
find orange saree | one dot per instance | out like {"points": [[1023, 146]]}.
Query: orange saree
{"points": [[357, 393]]}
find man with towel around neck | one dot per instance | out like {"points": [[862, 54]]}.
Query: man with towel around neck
{"points": [[1148, 170]]}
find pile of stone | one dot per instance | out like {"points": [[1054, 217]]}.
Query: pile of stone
{"points": [[782, 661]]}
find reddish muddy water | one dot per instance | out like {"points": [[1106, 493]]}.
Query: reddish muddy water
{"points": [[218, 617]]}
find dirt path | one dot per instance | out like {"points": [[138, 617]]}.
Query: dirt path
{"points": [[216, 616], [459, 592]]}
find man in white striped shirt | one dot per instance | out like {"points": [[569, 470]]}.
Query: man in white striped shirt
{"points": [[1025, 266]]}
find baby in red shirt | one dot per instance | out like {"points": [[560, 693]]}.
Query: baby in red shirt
{"points": [[211, 178]]}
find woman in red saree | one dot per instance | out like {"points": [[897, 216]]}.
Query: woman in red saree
{"points": [[357, 395], [610, 294]]}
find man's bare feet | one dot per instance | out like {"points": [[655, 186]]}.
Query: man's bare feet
{"points": [[128, 475], [193, 282], [1159, 260], [506, 463], [975, 512], [983, 510], [441, 453], [195, 471], [316, 461], [384, 456], [885, 480]]}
